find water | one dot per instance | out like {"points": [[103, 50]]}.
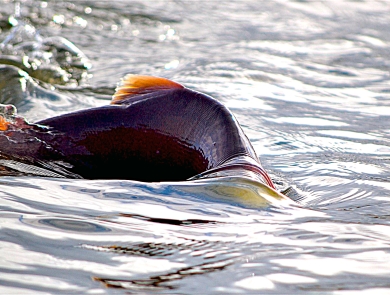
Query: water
{"points": [[308, 81]]}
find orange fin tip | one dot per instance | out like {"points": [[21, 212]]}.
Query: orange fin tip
{"points": [[138, 84]]}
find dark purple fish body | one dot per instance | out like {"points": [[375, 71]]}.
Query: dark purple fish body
{"points": [[167, 134]]}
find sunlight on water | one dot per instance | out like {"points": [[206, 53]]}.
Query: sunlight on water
{"points": [[307, 121], [309, 83]]}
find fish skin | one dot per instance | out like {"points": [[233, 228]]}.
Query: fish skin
{"points": [[155, 130]]}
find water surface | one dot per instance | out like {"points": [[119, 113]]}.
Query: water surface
{"points": [[308, 81]]}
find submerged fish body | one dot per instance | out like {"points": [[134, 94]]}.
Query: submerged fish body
{"points": [[154, 130]]}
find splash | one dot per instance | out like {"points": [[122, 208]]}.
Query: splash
{"points": [[54, 60]]}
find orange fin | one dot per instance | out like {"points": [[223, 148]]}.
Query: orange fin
{"points": [[3, 124], [137, 84]]}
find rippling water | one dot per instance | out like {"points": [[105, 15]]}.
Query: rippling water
{"points": [[309, 82]]}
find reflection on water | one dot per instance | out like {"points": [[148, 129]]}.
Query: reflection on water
{"points": [[72, 225], [309, 82]]}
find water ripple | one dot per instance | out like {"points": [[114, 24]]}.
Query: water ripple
{"points": [[308, 81]]}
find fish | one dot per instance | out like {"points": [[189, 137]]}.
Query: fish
{"points": [[154, 130]]}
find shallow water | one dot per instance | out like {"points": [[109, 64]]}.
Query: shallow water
{"points": [[308, 81]]}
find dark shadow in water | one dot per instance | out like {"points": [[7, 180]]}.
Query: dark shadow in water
{"points": [[167, 249], [160, 282], [184, 222], [73, 225], [203, 249], [293, 195]]}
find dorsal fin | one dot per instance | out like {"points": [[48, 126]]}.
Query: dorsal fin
{"points": [[138, 84]]}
